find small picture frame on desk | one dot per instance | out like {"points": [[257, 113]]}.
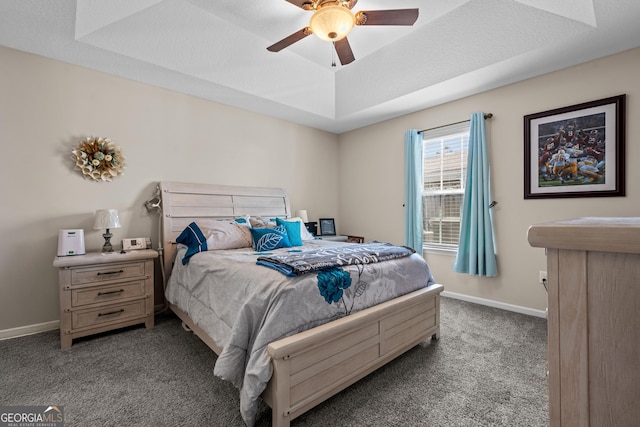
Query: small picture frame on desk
{"points": [[327, 226]]}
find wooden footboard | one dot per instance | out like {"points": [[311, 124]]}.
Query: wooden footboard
{"points": [[314, 365]]}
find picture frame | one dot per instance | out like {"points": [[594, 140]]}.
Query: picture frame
{"points": [[576, 151], [327, 226]]}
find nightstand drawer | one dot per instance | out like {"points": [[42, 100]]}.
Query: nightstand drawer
{"points": [[113, 313], [108, 293], [101, 273]]}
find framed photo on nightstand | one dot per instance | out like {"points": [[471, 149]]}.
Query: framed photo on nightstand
{"points": [[327, 227]]}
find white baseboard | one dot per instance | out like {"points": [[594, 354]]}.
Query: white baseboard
{"points": [[496, 304], [21, 331], [55, 324]]}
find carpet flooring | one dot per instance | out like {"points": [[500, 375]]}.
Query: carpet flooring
{"points": [[487, 369]]}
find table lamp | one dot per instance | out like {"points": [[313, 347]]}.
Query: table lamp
{"points": [[106, 219], [303, 215]]}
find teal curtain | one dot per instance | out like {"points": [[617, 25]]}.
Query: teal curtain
{"points": [[476, 248], [413, 190]]}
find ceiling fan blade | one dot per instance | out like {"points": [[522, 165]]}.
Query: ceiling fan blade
{"points": [[352, 3], [343, 49], [302, 4], [387, 17], [289, 40]]}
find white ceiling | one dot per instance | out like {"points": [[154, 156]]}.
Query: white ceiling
{"points": [[216, 50]]}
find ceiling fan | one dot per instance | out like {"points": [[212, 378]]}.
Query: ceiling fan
{"points": [[333, 19]]}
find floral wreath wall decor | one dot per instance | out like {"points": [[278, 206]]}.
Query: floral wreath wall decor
{"points": [[99, 159]]}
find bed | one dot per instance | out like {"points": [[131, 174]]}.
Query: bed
{"points": [[308, 365]]}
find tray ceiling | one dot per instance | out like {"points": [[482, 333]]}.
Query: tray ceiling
{"points": [[216, 50]]}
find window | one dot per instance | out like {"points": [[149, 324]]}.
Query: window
{"points": [[444, 167]]}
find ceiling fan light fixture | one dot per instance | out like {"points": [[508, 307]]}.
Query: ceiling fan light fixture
{"points": [[332, 23]]}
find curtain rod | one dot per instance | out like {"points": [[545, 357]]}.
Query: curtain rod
{"points": [[486, 116]]}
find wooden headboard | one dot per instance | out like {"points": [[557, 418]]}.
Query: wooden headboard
{"points": [[183, 203]]}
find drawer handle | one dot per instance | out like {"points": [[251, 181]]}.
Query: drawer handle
{"points": [[111, 312], [100, 273], [110, 292]]}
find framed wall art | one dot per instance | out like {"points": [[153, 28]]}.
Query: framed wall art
{"points": [[327, 226], [576, 151]]}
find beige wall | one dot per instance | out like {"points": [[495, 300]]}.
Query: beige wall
{"points": [[47, 107], [372, 159]]}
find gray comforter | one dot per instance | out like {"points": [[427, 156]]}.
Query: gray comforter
{"points": [[244, 306]]}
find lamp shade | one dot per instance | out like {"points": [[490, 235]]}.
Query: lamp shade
{"points": [[332, 23], [106, 218], [302, 214]]}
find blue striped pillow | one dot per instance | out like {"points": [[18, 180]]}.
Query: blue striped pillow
{"points": [[195, 241]]}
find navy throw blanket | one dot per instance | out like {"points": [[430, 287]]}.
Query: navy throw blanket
{"points": [[295, 264]]}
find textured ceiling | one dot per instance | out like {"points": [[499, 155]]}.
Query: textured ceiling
{"points": [[216, 49]]}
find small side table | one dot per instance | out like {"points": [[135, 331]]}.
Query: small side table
{"points": [[104, 291], [342, 238], [333, 238]]}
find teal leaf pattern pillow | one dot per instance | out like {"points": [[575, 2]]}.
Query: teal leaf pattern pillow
{"points": [[268, 239]]}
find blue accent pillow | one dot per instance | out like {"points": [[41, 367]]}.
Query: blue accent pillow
{"points": [[244, 220], [195, 241], [268, 239], [293, 231]]}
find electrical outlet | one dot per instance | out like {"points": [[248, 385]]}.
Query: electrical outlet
{"points": [[542, 277]]}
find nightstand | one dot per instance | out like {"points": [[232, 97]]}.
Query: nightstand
{"points": [[334, 238], [104, 291], [341, 238]]}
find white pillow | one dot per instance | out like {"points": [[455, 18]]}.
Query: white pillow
{"points": [[304, 233], [226, 235], [260, 222]]}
